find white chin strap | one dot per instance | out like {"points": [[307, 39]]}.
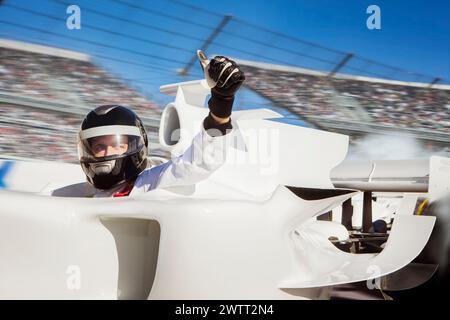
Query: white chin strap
{"points": [[104, 167]]}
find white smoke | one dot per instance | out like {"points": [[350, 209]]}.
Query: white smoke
{"points": [[390, 147]]}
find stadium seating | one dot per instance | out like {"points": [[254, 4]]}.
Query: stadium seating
{"points": [[44, 98], [401, 106]]}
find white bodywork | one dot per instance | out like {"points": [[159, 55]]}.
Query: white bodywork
{"points": [[241, 234]]}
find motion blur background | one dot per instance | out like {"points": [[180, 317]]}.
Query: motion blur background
{"points": [[316, 62]]}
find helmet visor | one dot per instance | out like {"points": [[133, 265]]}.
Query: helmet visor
{"points": [[108, 142]]}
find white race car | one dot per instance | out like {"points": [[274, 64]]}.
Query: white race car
{"points": [[250, 231]]}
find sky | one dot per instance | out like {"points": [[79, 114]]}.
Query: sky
{"points": [[146, 42]]}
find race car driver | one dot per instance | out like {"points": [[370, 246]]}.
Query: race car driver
{"points": [[113, 145]]}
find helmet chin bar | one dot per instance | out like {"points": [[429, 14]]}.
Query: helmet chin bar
{"points": [[102, 168], [108, 173]]}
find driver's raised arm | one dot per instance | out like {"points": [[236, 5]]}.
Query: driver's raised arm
{"points": [[208, 149]]}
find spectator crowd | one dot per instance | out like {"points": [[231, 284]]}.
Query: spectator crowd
{"points": [[27, 131], [397, 105], [31, 132], [70, 81]]}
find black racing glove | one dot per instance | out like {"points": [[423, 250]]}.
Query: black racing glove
{"points": [[228, 78]]}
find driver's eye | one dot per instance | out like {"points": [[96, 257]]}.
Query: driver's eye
{"points": [[99, 147]]}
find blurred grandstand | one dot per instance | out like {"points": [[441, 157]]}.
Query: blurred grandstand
{"points": [[45, 93], [357, 105], [324, 87]]}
